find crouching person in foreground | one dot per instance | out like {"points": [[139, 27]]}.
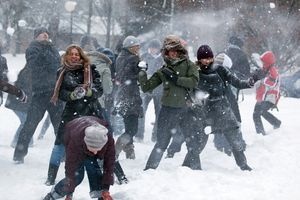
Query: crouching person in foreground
{"points": [[87, 141]]}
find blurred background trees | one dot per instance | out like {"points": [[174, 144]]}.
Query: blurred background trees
{"points": [[262, 24]]}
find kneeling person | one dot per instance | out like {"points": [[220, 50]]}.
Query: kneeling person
{"points": [[87, 139]]}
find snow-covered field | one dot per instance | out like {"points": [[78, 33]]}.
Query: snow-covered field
{"points": [[274, 158]]}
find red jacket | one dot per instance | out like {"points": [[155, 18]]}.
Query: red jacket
{"points": [[268, 88], [77, 152]]}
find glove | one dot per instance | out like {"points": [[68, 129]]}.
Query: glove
{"points": [[143, 66], [78, 93], [106, 195], [22, 97], [89, 92], [170, 75], [251, 81]]}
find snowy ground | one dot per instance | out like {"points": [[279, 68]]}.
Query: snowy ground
{"points": [[274, 159]]}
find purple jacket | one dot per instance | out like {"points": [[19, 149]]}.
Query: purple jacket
{"points": [[77, 152]]}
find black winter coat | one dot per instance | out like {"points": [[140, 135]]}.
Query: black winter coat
{"points": [[217, 110], [240, 64], [128, 99], [87, 106], [43, 59], [23, 81]]}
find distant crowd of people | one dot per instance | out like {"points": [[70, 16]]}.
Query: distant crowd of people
{"points": [[92, 95]]}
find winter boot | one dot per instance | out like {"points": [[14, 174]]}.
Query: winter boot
{"points": [[241, 160], [129, 151], [52, 172], [52, 195], [192, 160], [120, 173], [154, 159]]}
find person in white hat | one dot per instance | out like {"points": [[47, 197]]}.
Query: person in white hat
{"points": [[87, 139]]}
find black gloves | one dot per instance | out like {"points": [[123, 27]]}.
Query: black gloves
{"points": [[170, 75]]}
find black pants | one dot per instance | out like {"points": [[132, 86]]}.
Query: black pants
{"points": [[169, 120], [39, 105], [262, 109]]}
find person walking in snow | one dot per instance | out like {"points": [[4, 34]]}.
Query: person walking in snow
{"points": [[177, 76], [128, 100], [154, 61], [87, 140], [43, 60], [267, 93], [217, 110]]}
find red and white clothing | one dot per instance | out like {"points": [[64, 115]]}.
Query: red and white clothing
{"points": [[267, 89]]}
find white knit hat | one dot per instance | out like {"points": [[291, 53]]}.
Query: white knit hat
{"points": [[95, 136]]}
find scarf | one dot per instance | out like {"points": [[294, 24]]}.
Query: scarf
{"points": [[71, 67]]}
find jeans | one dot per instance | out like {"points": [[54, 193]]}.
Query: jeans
{"points": [[94, 175], [57, 154]]}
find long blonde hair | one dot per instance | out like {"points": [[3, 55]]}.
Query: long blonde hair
{"points": [[85, 60]]}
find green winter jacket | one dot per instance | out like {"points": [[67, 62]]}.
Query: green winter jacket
{"points": [[174, 94]]}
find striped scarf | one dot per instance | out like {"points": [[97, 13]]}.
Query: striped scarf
{"points": [[71, 67]]}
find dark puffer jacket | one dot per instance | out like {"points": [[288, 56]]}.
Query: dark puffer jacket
{"points": [[43, 59], [23, 81], [80, 107], [128, 99], [240, 63], [77, 152], [214, 81]]}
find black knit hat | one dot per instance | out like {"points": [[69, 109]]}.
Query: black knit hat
{"points": [[39, 30], [204, 51]]}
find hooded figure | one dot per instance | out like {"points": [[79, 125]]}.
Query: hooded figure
{"points": [[267, 93], [177, 76]]}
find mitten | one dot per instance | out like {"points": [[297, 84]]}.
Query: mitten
{"points": [[89, 92], [106, 195], [78, 93], [170, 75], [143, 66]]}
